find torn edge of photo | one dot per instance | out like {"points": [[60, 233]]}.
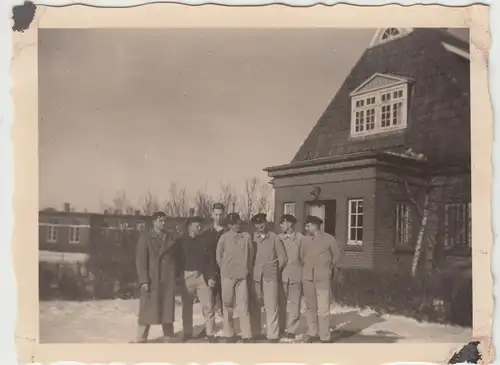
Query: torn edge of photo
{"points": [[209, 183]]}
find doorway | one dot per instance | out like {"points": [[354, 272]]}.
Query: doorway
{"points": [[327, 211]]}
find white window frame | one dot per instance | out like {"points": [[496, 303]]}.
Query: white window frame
{"points": [[52, 231], [377, 106], [74, 234], [462, 235], [291, 207], [350, 240], [403, 212]]}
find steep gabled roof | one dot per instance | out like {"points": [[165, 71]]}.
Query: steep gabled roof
{"points": [[439, 102]]}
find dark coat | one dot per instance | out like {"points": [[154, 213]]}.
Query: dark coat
{"points": [[156, 259]]}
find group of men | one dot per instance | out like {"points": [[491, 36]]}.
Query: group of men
{"points": [[228, 269]]}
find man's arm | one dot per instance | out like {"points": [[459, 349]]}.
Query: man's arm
{"points": [[141, 261], [249, 252], [219, 252], [179, 258], [211, 259], [336, 252], [280, 252]]}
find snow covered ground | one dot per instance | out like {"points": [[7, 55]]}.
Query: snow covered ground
{"points": [[114, 321]]}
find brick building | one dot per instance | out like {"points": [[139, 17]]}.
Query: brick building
{"points": [[397, 130]]}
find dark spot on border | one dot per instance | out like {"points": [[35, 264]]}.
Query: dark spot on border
{"points": [[467, 354], [23, 15]]}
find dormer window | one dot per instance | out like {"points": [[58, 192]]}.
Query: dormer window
{"points": [[379, 105]]}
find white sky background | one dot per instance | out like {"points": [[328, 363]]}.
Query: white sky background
{"points": [[133, 110]]}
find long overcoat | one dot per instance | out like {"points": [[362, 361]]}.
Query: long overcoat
{"points": [[157, 264]]}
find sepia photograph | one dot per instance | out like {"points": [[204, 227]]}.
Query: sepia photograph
{"points": [[254, 185]]}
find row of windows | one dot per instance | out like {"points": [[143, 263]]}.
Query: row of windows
{"points": [[457, 223], [74, 234]]}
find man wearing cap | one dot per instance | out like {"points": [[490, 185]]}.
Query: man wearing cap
{"points": [[198, 269], [291, 278], [270, 258], [319, 253], [213, 235], [234, 257], [157, 255]]}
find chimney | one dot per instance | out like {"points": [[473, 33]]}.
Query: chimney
{"points": [[191, 212], [67, 208]]}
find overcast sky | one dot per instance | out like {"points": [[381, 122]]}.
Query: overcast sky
{"points": [[133, 110]]}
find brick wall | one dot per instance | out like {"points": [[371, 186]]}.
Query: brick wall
{"points": [[341, 191]]}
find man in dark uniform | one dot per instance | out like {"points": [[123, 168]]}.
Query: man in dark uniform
{"points": [[270, 258], [212, 236], [157, 256], [319, 254], [291, 290], [197, 279]]}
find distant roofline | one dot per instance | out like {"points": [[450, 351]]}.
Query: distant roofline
{"points": [[90, 214]]}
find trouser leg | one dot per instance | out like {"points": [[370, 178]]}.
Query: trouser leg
{"points": [[187, 308], [142, 332], [204, 294], [242, 307], [168, 329], [323, 293], [293, 306], [283, 295], [311, 308], [270, 295], [228, 295], [255, 300]]}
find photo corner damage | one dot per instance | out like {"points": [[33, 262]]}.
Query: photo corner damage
{"points": [[467, 354], [22, 16]]}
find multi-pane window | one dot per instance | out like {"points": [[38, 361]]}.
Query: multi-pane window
{"points": [[289, 208], [457, 225], [355, 222], [379, 111], [403, 224], [52, 231], [74, 232]]}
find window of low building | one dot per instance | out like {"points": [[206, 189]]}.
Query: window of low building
{"points": [[52, 231], [403, 224], [355, 222], [289, 208]]}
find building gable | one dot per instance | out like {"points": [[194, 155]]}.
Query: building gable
{"points": [[438, 120]]}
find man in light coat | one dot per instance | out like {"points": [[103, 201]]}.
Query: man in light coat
{"points": [[291, 278], [234, 257], [156, 260], [270, 259], [319, 253]]}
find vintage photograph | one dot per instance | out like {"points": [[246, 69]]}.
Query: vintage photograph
{"points": [[254, 185]]}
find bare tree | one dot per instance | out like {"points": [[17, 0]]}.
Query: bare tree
{"points": [[228, 197], [203, 203], [177, 204], [426, 212], [263, 202], [149, 204], [249, 199], [121, 204]]}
